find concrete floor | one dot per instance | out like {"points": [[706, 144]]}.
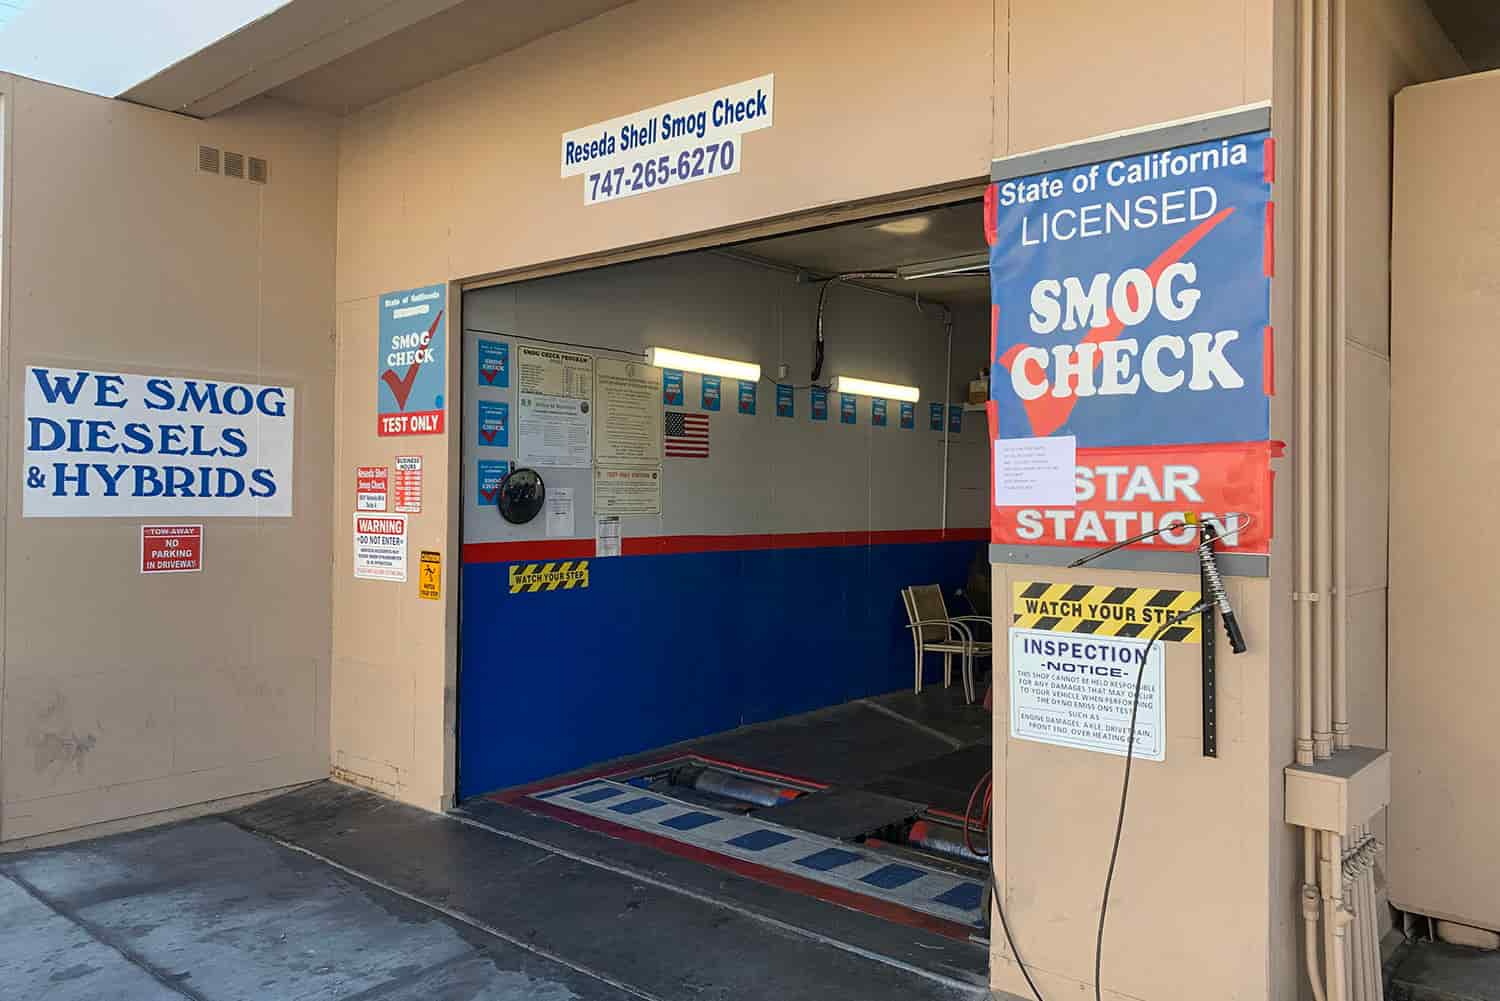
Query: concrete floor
{"points": [[205, 910], [332, 893], [1436, 971]]}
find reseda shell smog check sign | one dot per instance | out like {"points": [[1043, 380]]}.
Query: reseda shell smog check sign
{"points": [[683, 141], [410, 372], [1131, 311]]}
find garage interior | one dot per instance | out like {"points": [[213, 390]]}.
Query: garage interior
{"points": [[737, 687]]}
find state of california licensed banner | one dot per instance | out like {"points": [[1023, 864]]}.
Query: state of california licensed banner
{"points": [[1131, 311]]}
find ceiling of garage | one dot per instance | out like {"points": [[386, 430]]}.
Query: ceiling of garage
{"points": [[888, 243], [466, 33], [341, 55], [1474, 27]]}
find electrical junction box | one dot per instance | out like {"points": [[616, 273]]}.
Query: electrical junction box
{"points": [[1339, 792]]}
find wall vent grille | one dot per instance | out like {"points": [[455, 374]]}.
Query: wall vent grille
{"points": [[208, 159], [234, 164], [259, 170]]}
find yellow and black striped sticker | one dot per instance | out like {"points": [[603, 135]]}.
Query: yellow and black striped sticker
{"points": [[548, 576], [1104, 611]]}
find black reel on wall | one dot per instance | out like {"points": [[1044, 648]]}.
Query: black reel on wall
{"points": [[521, 496]]}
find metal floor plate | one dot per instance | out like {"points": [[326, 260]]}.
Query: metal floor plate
{"points": [[844, 814], [807, 856]]}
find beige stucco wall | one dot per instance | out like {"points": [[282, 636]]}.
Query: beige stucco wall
{"points": [[459, 179], [124, 695], [1444, 547], [1396, 44], [1190, 901]]}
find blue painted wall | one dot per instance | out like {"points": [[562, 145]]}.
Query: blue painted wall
{"points": [[667, 647]]}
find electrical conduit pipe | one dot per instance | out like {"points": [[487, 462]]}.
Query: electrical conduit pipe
{"points": [[1321, 486]]}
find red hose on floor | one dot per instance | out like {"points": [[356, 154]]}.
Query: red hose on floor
{"points": [[983, 798]]}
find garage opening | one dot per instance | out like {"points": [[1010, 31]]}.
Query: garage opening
{"points": [[686, 624]]}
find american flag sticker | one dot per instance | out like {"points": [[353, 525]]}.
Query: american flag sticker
{"points": [[686, 435]]}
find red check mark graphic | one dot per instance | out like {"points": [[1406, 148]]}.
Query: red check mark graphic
{"points": [[489, 436], [488, 495], [1048, 413], [401, 386], [489, 374]]}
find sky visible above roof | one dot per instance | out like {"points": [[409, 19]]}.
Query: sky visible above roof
{"points": [[107, 46]]}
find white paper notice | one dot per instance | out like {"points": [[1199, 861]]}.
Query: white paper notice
{"points": [[627, 414], [380, 547], [556, 431], [1036, 471], [607, 538], [1074, 690], [560, 513], [627, 491]]}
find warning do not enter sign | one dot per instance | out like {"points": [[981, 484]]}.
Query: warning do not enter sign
{"points": [[171, 548]]}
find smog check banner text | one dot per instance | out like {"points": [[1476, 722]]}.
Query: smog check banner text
{"points": [[1131, 310]]}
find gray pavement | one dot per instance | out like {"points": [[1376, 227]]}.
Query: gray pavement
{"points": [[205, 910]]}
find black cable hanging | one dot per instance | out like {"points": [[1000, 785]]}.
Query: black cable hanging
{"points": [[848, 276]]}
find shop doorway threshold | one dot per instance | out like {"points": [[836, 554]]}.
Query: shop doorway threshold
{"points": [[871, 877]]}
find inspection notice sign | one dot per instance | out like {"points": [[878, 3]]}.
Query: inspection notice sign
{"points": [[691, 139], [1074, 690]]}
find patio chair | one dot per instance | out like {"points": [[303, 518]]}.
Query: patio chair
{"points": [[933, 630]]}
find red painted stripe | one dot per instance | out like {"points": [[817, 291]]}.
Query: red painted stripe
{"points": [[548, 549], [1268, 159], [991, 217], [643, 763], [659, 545], [764, 874], [992, 417], [994, 332], [1268, 362], [1269, 257], [777, 776]]}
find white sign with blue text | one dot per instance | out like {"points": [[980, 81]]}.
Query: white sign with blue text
{"points": [[102, 444], [691, 139], [1074, 689]]}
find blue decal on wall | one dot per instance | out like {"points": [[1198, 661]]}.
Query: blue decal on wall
{"points": [[494, 424], [877, 412], [410, 356], [818, 403], [1132, 298], [785, 402], [935, 416], [747, 398], [955, 418], [494, 363], [848, 413], [908, 416], [671, 387], [490, 473], [710, 396]]}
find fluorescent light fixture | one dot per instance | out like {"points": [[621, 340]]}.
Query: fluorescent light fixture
{"points": [[869, 387], [707, 364], [906, 226], [947, 266]]}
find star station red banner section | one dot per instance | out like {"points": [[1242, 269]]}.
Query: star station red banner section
{"points": [[1123, 492]]}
